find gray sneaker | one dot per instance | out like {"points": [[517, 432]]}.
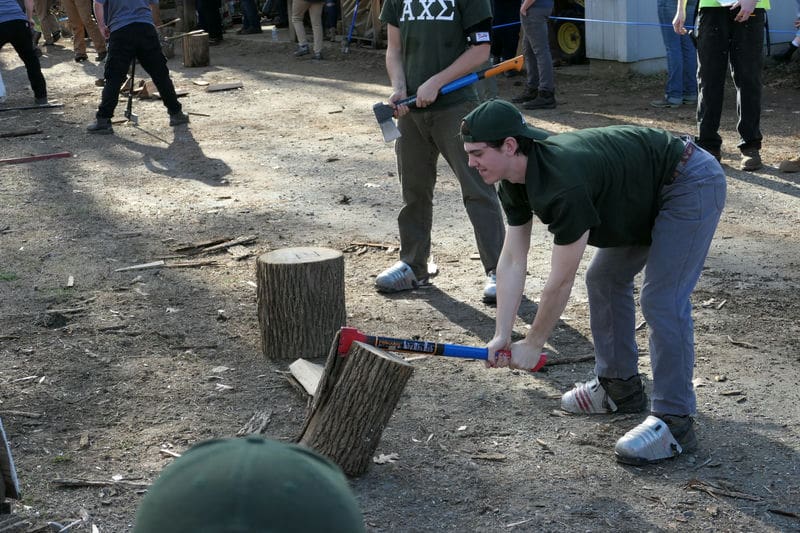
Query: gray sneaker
{"points": [[656, 439], [605, 396], [751, 160], [302, 50], [665, 103], [490, 289], [398, 277], [101, 126]]}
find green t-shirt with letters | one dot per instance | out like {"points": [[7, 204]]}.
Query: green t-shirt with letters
{"points": [[433, 36], [605, 180]]}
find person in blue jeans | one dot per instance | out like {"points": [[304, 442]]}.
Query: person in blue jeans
{"points": [[647, 200], [794, 44], [251, 21], [681, 58]]}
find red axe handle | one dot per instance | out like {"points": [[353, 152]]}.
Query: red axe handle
{"points": [[348, 335]]}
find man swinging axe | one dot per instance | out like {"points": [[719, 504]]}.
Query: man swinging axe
{"points": [[129, 27], [646, 200]]}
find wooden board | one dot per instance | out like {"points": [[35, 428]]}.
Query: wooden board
{"points": [[307, 373]]}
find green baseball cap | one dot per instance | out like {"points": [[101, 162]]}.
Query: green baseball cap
{"points": [[495, 120], [249, 485]]}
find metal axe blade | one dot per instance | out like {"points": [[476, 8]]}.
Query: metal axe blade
{"points": [[384, 114]]}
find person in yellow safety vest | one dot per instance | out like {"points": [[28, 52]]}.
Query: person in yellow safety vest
{"points": [[729, 31]]}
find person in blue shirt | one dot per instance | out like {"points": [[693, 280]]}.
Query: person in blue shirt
{"points": [[129, 27], [15, 28]]}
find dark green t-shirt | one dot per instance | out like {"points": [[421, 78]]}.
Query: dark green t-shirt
{"points": [[433, 37], [605, 180]]}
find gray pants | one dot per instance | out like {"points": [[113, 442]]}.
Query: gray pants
{"points": [[425, 135], [681, 236], [536, 48]]}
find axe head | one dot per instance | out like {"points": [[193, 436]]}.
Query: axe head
{"points": [[346, 337], [385, 116]]}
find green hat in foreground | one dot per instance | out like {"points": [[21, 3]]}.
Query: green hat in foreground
{"points": [[249, 485], [495, 120]]}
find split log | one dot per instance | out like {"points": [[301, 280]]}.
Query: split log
{"points": [[195, 50], [354, 401], [300, 300]]}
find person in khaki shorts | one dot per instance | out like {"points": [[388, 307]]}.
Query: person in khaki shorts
{"points": [[79, 13]]}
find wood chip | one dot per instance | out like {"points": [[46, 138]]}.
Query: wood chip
{"points": [[216, 87], [490, 456], [715, 490], [141, 266], [743, 344]]}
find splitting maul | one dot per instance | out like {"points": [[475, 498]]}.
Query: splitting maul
{"points": [[348, 335]]}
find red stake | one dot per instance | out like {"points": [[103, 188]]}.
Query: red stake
{"points": [[29, 159]]}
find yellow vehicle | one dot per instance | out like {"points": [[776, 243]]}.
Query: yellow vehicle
{"points": [[568, 37]]}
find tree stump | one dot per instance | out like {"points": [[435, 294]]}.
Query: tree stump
{"points": [[353, 403], [195, 50], [300, 299]]}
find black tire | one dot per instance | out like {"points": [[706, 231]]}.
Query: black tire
{"points": [[569, 36]]}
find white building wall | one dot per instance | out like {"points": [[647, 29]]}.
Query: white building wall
{"points": [[641, 46]]}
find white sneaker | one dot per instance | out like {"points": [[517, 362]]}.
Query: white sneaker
{"points": [[587, 399], [398, 277], [649, 442], [490, 289]]}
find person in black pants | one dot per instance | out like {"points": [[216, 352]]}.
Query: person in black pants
{"points": [[505, 39], [729, 35], [128, 25], [210, 19], [15, 28]]}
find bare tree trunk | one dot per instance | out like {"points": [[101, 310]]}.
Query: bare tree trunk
{"points": [[300, 300], [354, 401]]}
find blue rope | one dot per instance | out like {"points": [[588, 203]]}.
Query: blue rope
{"points": [[623, 23]]}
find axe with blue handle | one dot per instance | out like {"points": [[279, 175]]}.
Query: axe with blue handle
{"points": [[348, 335], [384, 113]]}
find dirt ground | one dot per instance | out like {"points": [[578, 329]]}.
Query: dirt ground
{"points": [[98, 377]]}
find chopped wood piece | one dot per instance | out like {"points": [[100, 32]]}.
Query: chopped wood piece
{"points": [[191, 264], [247, 239], [715, 490], [20, 133], [224, 86], [149, 90], [354, 246], [199, 246], [201, 83], [257, 424], [307, 374], [240, 252], [24, 107], [32, 158], [26, 414], [142, 266], [743, 344], [75, 482], [170, 453]]}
